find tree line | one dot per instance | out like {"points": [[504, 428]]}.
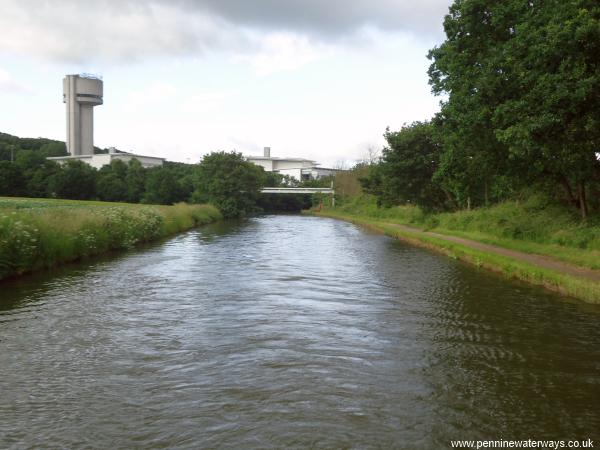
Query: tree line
{"points": [[520, 83], [224, 179]]}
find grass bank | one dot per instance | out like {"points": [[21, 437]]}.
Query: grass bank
{"points": [[43, 233], [534, 226], [527, 227]]}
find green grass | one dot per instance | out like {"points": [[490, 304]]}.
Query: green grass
{"points": [[42, 233], [532, 226], [550, 232]]}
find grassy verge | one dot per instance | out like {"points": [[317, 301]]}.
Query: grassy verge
{"points": [[568, 285], [42, 233], [532, 226]]}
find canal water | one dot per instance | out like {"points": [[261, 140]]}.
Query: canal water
{"points": [[290, 332]]}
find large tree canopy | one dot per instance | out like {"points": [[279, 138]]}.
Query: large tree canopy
{"points": [[521, 81], [405, 174], [229, 182]]}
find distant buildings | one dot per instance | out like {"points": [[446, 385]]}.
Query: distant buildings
{"points": [[103, 159], [299, 168], [80, 94]]}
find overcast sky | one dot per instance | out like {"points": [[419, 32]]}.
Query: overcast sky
{"points": [[309, 78]]}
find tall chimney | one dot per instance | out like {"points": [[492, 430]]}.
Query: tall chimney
{"points": [[267, 152]]}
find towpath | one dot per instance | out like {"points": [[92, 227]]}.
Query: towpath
{"points": [[543, 261]]}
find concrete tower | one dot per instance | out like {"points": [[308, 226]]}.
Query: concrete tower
{"points": [[81, 93]]}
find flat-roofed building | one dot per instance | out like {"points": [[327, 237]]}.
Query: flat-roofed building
{"points": [[299, 168], [103, 159]]}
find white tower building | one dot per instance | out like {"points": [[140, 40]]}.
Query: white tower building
{"points": [[81, 93]]}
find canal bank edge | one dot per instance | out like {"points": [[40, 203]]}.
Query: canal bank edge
{"points": [[582, 286], [39, 234]]}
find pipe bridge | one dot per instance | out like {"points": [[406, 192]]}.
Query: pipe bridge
{"points": [[301, 190]]}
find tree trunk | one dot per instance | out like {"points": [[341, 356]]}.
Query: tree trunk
{"points": [[574, 201], [582, 200], [450, 199], [485, 192]]}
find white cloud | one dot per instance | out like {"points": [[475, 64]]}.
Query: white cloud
{"points": [[206, 102], [279, 52], [151, 94], [122, 31], [102, 31], [330, 18]]}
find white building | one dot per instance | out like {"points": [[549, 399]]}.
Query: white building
{"points": [[104, 159], [80, 94], [299, 168]]}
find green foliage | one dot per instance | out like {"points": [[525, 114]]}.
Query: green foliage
{"points": [[11, 179], [53, 149], [111, 184], [135, 181], [405, 173], [229, 182], [521, 80], [520, 111], [37, 234], [274, 179], [162, 187], [12, 146], [323, 182], [534, 224], [348, 183], [76, 180], [284, 203]]}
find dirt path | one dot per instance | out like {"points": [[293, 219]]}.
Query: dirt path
{"points": [[537, 260]]}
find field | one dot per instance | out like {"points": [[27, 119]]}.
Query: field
{"points": [[42, 233]]}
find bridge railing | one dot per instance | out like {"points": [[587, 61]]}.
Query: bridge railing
{"points": [[301, 190]]}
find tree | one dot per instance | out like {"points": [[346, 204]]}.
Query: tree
{"points": [[37, 179], [349, 183], [408, 163], [229, 182], [53, 149], [469, 69], [36, 170], [554, 122], [162, 186], [111, 185], [521, 80], [185, 176], [135, 181], [12, 182], [75, 180]]}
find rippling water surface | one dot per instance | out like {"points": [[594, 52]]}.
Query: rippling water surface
{"points": [[289, 331]]}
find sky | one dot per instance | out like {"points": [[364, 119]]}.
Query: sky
{"points": [[309, 78]]}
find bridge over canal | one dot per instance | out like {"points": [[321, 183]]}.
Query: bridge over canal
{"points": [[300, 190]]}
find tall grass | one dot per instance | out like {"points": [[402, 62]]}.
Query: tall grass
{"points": [[534, 225], [36, 234]]}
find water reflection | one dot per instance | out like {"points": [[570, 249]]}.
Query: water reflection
{"points": [[288, 331]]}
